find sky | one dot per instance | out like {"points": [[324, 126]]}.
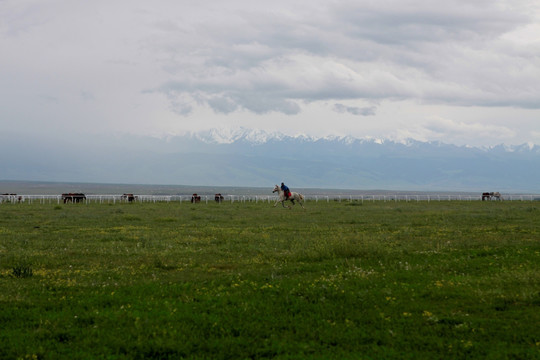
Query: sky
{"points": [[459, 72]]}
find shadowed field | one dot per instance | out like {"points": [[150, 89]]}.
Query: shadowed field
{"points": [[246, 280]]}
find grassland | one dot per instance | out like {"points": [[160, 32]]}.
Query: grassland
{"points": [[341, 280]]}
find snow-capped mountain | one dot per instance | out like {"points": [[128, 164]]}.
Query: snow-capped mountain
{"points": [[245, 157], [259, 137]]}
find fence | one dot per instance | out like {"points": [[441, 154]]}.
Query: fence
{"points": [[50, 199]]}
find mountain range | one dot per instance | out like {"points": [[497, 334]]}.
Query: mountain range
{"points": [[256, 158]]}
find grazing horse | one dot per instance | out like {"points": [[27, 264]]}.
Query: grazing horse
{"points": [[73, 197], [491, 196], [195, 198], [294, 196], [129, 197]]}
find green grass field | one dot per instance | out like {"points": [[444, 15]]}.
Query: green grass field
{"points": [[341, 280]]}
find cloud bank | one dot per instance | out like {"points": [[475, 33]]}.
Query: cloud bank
{"points": [[419, 68]]}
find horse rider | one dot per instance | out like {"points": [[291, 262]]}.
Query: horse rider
{"points": [[286, 191]]}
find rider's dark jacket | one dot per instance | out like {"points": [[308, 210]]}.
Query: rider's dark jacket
{"points": [[286, 190]]}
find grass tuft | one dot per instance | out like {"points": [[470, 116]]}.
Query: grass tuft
{"points": [[22, 270]]}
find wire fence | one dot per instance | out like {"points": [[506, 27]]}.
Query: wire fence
{"points": [[113, 199]]}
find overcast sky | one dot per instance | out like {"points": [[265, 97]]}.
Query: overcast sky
{"points": [[460, 72]]}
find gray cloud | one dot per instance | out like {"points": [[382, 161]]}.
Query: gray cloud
{"points": [[222, 104], [364, 111], [441, 53], [413, 22]]}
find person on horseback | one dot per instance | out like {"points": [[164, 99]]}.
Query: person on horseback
{"points": [[286, 191]]}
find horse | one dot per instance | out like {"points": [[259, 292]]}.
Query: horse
{"points": [[73, 197], [491, 196], [129, 197], [294, 196]]}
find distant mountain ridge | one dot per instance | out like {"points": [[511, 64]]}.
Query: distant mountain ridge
{"points": [[256, 158], [255, 136]]}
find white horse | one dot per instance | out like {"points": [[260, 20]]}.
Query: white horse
{"points": [[294, 196]]}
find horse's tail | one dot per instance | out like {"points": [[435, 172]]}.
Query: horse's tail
{"points": [[301, 197]]}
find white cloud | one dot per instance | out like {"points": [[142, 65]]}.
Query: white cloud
{"points": [[441, 129]]}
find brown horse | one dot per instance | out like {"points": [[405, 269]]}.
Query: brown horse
{"points": [[73, 197]]}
